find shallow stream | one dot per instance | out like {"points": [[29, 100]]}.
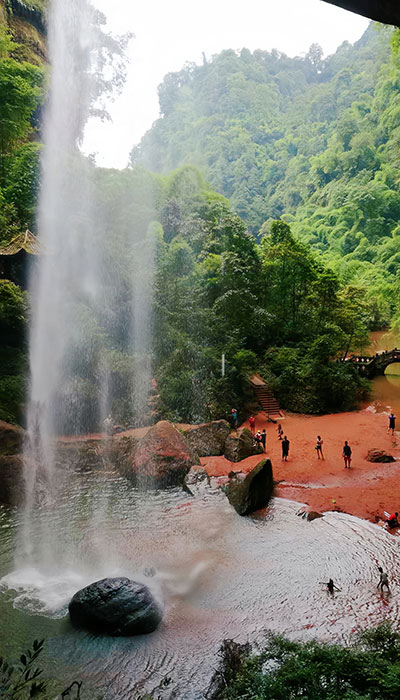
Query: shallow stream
{"points": [[220, 575]]}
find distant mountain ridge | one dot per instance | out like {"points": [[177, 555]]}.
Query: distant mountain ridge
{"points": [[315, 141]]}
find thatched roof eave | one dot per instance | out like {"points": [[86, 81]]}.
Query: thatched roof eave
{"points": [[23, 241]]}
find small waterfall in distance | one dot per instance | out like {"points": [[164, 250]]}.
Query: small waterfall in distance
{"points": [[73, 300]]}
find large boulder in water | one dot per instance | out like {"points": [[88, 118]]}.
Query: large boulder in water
{"points": [[240, 445], [163, 457], [11, 439], [375, 455], [11, 480], [117, 607], [252, 492], [209, 438]]}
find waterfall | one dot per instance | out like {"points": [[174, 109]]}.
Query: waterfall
{"points": [[72, 335]]}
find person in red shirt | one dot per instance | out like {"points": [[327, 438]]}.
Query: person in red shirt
{"points": [[392, 520], [252, 423]]}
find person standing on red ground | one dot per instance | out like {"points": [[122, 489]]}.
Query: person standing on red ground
{"points": [[347, 455], [285, 449], [258, 438], [235, 418], [392, 423], [280, 431], [264, 439], [318, 447], [252, 423]]}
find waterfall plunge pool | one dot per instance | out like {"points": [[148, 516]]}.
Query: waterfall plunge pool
{"points": [[220, 575]]}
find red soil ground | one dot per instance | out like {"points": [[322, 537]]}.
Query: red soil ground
{"points": [[366, 490]]}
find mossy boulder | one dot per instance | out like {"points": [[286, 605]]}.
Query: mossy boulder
{"points": [[240, 445], [162, 458], [252, 492], [208, 439], [116, 607]]}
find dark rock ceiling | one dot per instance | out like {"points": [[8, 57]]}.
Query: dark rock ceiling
{"points": [[386, 11]]}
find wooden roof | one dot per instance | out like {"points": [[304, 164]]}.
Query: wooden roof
{"points": [[23, 241]]}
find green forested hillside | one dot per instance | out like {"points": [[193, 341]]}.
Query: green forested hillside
{"points": [[268, 306], [269, 303], [312, 141], [21, 93]]}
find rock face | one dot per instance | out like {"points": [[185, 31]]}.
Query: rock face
{"points": [[309, 515], [208, 439], [11, 480], [196, 481], [239, 445], [115, 606], [11, 464], [163, 457], [11, 439], [93, 454], [375, 455], [254, 491]]}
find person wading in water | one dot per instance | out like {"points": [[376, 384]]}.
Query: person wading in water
{"points": [[383, 579], [330, 586]]}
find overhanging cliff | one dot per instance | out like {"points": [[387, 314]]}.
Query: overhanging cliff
{"points": [[386, 11]]}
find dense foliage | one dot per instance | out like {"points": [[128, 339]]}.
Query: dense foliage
{"points": [[369, 669], [23, 679], [268, 306], [312, 140], [20, 96]]}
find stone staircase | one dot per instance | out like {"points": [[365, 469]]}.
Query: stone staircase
{"points": [[265, 397]]}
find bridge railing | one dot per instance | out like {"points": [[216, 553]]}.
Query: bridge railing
{"points": [[384, 355]]}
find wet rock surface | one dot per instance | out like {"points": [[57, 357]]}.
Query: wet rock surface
{"points": [[240, 445], [94, 454], [375, 455], [11, 480], [309, 515], [116, 607], [254, 491], [196, 481], [209, 438], [162, 458], [11, 439]]}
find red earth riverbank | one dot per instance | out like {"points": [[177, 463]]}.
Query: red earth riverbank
{"points": [[366, 490]]}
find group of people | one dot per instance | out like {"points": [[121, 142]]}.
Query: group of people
{"points": [[260, 438], [383, 582], [320, 454]]}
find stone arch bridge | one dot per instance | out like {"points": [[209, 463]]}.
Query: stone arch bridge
{"points": [[372, 365]]}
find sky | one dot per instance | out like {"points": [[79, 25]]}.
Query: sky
{"points": [[169, 34]]}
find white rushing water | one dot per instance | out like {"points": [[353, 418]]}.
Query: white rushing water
{"points": [[66, 278], [73, 304]]}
